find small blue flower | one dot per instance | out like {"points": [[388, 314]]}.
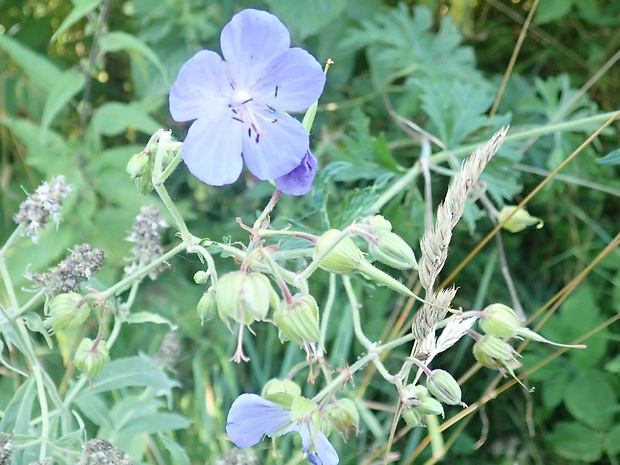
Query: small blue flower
{"points": [[251, 417], [239, 105]]}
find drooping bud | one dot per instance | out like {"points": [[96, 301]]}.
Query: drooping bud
{"points": [[412, 417], [243, 297], [201, 277], [344, 416], [299, 319], [67, 311], [500, 321], [138, 166], [90, 357], [207, 306], [444, 387], [343, 256], [392, 250], [519, 221], [429, 406], [492, 352]]}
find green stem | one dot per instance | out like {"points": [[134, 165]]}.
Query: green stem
{"points": [[13, 238], [178, 219]]}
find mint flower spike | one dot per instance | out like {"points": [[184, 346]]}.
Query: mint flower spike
{"points": [[251, 417], [239, 103]]}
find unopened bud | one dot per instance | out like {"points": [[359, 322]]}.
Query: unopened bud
{"points": [[492, 352], [281, 391], [344, 416], [90, 357], [519, 221], [378, 225], [412, 417], [138, 166], [500, 321], [299, 319], [144, 184], [416, 391], [207, 306], [67, 311], [201, 277], [444, 387], [243, 297], [343, 257], [429, 406], [391, 249]]}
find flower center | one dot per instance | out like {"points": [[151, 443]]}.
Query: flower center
{"points": [[239, 97]]}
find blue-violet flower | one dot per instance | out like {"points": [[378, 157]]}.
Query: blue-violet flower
{"points": [[251, 417], [239, 104]]}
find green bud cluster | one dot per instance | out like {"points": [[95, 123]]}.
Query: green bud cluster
{"points": [[298, 320], [67, 311], [344, 257], [392, 250], [140, 170], [90, 356], [243, 297]]}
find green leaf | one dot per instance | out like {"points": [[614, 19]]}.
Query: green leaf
{"points": [[114, 118], [79, 11], [154, 423], [552, 10], [148, 317], [121, 41], [306, 18], [61, 93], [178, 454], [41, 71], [612, 158], [573, 441], [17, 414], [94, 408], [133, 371], [613, 441], [590, 398]]}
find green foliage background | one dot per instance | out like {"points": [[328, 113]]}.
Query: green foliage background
{"points": [[66, 109]]}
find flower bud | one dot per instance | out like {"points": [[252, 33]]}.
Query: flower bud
{"points": [[344, 416], [138, 166], [500, 321], [429, 406], [416, 391], [344, 257], [90, 357], [303, 408], [299, 319], [67, 311], [392, 250], [444, 387], [492, 352], [378, 225], [281, 391], [144, 184], [243, 297], [201, 277], [412, 417], [519, 221], [207, 306]]}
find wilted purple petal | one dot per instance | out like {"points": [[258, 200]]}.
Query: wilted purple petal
{"points": [[251, 417], [299, 181], [280, 148], [250, 41], [198, 87]]}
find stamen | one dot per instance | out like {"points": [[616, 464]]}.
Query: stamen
{"points": [[238, 119], [257, 137], [275, 120], [276, 92], [247, 101], [271, 108], [249, 132]]}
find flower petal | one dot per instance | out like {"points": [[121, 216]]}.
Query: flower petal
{"points": [[249, 42], [324, 450], [279, 150], [299, 79], [299, 181], [212, 148], [201, 84], [251, 417]]}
